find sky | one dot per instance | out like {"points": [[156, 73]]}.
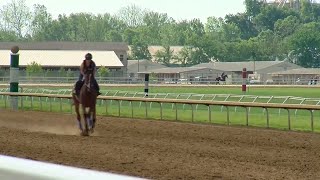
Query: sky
{"points": [[177, 9]]}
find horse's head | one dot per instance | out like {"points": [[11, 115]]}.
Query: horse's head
{"points": [[223, 77], [88, 75]]}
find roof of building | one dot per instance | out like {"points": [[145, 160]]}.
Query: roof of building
{"points": [[53, 58], [66, 45], [238, 66], [299, 71], [174, 70]]}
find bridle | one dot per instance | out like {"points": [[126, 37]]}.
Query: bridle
{"points": [[87, 78]]}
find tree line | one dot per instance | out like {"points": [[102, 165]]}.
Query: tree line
{"points": [[263, 32]]}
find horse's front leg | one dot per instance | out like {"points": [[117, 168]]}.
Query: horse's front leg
{"points": [[85, 116], [76, 107], [94, 117]]}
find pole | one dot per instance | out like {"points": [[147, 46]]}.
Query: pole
{"points": [[244, 80], [146, 84], [14, 76]]}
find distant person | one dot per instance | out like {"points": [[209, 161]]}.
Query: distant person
{"points": [[87, 64]]}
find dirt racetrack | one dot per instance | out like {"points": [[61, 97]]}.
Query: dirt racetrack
{"points": [[162, 150]]}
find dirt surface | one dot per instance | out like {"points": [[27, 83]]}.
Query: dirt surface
{"points": [[162, 150]]}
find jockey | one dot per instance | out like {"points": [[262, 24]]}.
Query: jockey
{"points": [[88, 63], [222, 74]]}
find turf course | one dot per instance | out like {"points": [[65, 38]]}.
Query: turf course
{"points": [[300, 120]]}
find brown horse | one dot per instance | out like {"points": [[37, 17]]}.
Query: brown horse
{"points": [[87, 99]]}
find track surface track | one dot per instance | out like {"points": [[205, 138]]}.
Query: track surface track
{"points": [[162, 150]]}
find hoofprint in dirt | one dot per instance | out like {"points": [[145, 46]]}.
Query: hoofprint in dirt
{"points": [[162, 150]]}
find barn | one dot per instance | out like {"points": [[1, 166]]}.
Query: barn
{"points": [[68, 55]]}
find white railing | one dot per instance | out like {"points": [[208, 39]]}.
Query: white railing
{"points": [[187, 96], [208, 103], [19, 168], [140, 80]]}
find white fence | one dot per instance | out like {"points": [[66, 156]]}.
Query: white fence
{"points": [[186, 96], [19, 168], [129, 80], [191, 102]]}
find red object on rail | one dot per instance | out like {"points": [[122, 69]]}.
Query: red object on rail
{"points": [[244, 80]]}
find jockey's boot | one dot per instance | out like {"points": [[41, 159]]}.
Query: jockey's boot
{"points": [[97, 88], [98, 92], [74, 91]]}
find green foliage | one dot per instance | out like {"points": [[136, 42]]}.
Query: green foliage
{"points": [[266, 32], [139, 50], [62, 72], [305, 44], [70, 73], [253, 7], [287, 26], [184, 56], [103, 71], [33, 68], [164, 56]]}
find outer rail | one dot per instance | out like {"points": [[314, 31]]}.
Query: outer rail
{"points": [[18, 168], [227, 104]]}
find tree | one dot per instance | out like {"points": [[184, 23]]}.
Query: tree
{"points": [[114, 36], [81, 24], [198, 56], [139, 50], [253, 8], [286, 27], [62, 72], [214, 25], [8, 36], [70, 73], [184, 55], [267, 44], [230, 32], [195, 30], [305, 44], [103, 71], [40, 23], [60, 29], [164, 56], [16, 17], [243, 22], [131, 15], [33, 68], [306, 11], [271, 14]]}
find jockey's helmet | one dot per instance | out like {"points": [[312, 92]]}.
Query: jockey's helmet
{"points": [[88, 56]]}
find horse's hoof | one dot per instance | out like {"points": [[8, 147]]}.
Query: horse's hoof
{"points": [[91, 130], [84, 133]]}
